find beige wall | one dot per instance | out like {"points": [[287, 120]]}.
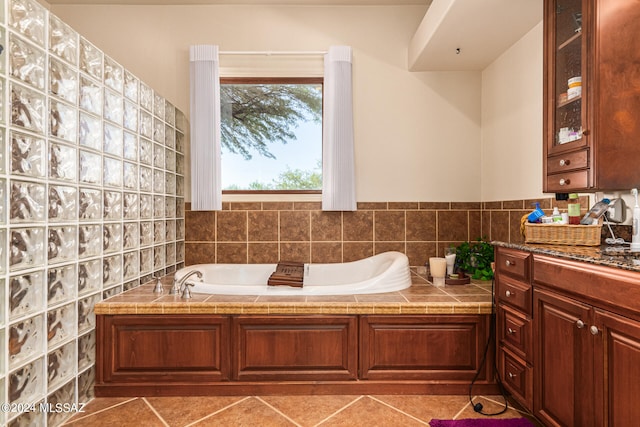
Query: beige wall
{"points": [[417, 134], [512, 122]]}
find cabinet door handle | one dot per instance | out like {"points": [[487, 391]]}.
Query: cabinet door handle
{"points": [[508, 293], [594, 330], [511, 375], [510, 263], [580, 324], [564, 182], [510, 331], [565, 162], [586, 132]]}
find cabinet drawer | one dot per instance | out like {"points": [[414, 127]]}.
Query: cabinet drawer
{"points": [[515, 330], [517, 377], [564, 182], [515, 293], [514, 263], [568, 162]]}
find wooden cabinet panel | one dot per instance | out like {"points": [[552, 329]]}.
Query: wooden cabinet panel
{"points": [[513, 263], [567, 182], [295, 347], [515, 330], [514, 293], [422, 347], [517, 377], [568, 162]]}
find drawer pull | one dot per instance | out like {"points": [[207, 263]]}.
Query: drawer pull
{"points": [[564, 182], [510, 331], [509, 263], [594, 330], [564, 162], [580, 324], [508, 293], [511, 375]]}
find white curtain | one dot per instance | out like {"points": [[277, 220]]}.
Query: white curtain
{"points": [[206, 189], [338, 171]]}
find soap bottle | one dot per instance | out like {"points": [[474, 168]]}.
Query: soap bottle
{"points": [[573, 206], [557, 218]]}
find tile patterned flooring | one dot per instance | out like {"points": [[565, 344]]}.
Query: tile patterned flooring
{"points": [[271, 411]]}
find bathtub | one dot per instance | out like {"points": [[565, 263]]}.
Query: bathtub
{"points": [[385, 272]]}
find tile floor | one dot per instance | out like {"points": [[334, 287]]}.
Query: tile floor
{"points": [[267, 411]]}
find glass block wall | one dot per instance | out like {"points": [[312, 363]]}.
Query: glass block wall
{"points": [[91, 202]]}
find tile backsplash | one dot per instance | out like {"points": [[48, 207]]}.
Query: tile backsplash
{"points": [[91, 202]]}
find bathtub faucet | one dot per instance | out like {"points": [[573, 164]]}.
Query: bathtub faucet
{"points": [[178, 284]]}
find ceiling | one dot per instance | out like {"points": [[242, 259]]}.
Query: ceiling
{"points": [[480, 29]]}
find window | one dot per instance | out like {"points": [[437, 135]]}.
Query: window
{"points": [[271, 134]]}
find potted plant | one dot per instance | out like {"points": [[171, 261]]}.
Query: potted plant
{"points": [[475, 258]]}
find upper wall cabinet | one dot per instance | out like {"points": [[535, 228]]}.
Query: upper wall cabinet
{"points": [[591, 95]]}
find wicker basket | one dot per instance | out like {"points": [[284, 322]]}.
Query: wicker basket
{"points": [[554, 234]]}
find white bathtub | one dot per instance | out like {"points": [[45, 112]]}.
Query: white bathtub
{"points": [[386, 272]]}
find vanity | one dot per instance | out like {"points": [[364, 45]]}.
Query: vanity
{"points": [[568, 333]]}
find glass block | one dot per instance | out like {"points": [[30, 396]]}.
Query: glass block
{"points": [[158, 206], [90, 167], [90, 204], [63, 120], [180, 252], [27, 203], [27, 108], [181, 121], [112, 172], [28, 155], [61, 364], [179, 207], [170, 183], [146, 124], [146, 233], [2, 62], [3, 262], [130, 149], [170, 230], [158, 181], [158, 105], [113, 107], [158, 155], [131, 264], [90, 96], [131, 284], [130, 86], [179, 164], [145, 181], [62, 162], [90, 131], [89, 276], [86, 380], [2, 139], [130, 117], [170, 160], [63, 81], [130, 235], [28, 18], [179, 185], [90, 59], [86, 350], [26, 294], [179, 229], [130, 209], [111, 270], [61, 284], [61, 324], [2, 94], [158, 130], [86, 316], [112, 237], [158, 231], [146, 206], [63, 40], [112, 292], [169, 136], [26, 248], [146, 260], [62, 396], [146, 151], [180, 142], [170, 207], [89, 240], [112, 205], [27, 384], [26, 62], [169, 113], [26, 339], [170, 253], [130, 171], [146, 97], [158, 257], [63, 245], [113, 74], [62, 203], [113, 140]]}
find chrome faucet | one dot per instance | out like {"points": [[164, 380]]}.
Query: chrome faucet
{"points": [[178, 284]]}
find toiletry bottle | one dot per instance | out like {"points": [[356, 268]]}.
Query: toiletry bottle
{"points": [[557, 218], [595, 212], [536, 215], [573, 206]]}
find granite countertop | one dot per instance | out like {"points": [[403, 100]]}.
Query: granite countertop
{"points": [[421, 298], [606, 255]]}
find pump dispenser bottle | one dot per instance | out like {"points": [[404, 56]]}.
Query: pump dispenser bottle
{"points": [[635, 237]]}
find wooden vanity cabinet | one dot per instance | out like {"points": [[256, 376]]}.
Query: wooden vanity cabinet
{"points": [[591, 136]]}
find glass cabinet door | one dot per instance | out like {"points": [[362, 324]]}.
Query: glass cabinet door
{"points": [[568, 76]]}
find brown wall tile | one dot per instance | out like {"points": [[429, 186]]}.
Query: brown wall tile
{"points": [[421, 225], [453, 226], [245, 206], [389, 226], [232, 226], [358, 226], [263, 226], [420, 252], [513, 204], [372, 206], [199, 253], [500, 226], [353, 251], [475, 225], [232, 253], [492, 205], [326, 252], [200, 225], [515, 219], [380, 247], [277, 206], [307, 206], [403, 205], [435, 205], [326, 226], [294, 226], [298, 252], [263, 253], [465, 205]]}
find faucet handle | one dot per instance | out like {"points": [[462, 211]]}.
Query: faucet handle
{"points": [[186, 293], [158, 289]]}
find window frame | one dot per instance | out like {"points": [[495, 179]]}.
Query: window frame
{"points": [[275, 80]]}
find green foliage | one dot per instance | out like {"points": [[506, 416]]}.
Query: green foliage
{"points": [[475, 258], [296, 179], [254, 115]]}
